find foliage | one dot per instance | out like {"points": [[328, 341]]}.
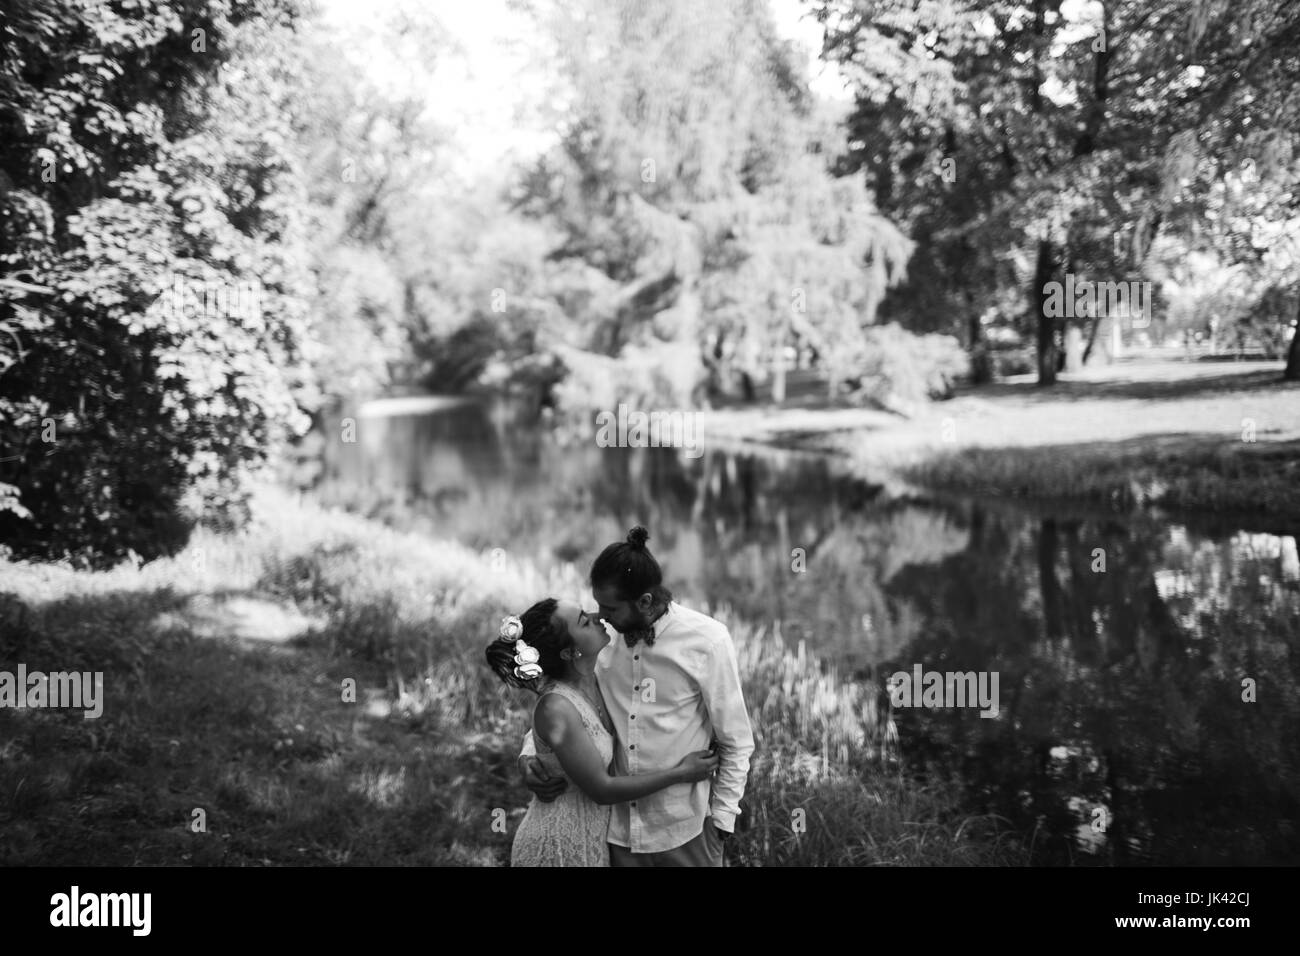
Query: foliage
{"points": [[691, 181], [657, 377], [371, 150], [1230, 270], [424, 274], [900, 370], [1017, 142], [153, 296]]}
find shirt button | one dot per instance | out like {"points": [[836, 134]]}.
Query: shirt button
{"points": [[636, 657], [634, 716], [634, 803], [632, 747]]}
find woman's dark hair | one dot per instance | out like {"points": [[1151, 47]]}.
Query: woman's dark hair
{"points": [[541, 631], [630, 568]]}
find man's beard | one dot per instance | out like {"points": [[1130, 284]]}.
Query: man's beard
{"points": [[638, 623], [641, 630]]}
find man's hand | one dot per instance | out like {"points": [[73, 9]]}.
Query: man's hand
{"points": [[544, 786]]}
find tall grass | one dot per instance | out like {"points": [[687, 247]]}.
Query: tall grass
{"points": [[414, 771]]}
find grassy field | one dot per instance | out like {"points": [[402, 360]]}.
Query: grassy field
{"points": [[225, 671], [1221, 437]]}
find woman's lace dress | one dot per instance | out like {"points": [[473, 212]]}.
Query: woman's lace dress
{"points": [[570, 830]]}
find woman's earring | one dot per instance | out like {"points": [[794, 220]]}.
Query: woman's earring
{"points": [[577, 654]]}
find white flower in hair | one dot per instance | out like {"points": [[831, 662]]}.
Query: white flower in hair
{"points": [[528, 671], [526, 658], [511, 628]]}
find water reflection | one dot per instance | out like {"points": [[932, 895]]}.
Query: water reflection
{"points": [[1150, 707]]}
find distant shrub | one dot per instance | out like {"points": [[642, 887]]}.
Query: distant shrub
{"points": [[452, 363], [1017, 361], [663, 377], [896, 368]]}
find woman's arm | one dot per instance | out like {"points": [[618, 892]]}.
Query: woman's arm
{"points": [[556, 720]]}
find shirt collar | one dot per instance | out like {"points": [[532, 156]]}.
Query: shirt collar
{"points": [[665, 620]]}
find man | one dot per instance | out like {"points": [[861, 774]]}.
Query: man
{"points": [[671, 686]]}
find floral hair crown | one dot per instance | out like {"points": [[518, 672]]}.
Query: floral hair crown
{"points": [[526, 656]]}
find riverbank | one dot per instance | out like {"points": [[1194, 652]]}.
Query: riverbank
{"points": [[1220, 437], [311, 691]]}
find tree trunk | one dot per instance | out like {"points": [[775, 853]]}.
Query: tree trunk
{"points": [[1292, 373], [1046, 324], [778, 376], [1073, 351], [981, 361], [1092, 339]]}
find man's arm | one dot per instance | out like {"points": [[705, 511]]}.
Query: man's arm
{"points": [[545, 787], [726, 706]]}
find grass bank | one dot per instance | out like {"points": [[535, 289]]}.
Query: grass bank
{"points": [[226, 671], [1174, 435], [1175, 474]]}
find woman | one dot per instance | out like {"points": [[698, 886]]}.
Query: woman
{"points": [[552, 650]]}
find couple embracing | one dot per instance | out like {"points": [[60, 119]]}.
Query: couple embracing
{"points": [[640, 747]]}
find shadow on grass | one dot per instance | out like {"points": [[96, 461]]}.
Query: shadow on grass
{"points": [[1135, 386], [283, 770]]}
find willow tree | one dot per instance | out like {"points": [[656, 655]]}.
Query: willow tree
{"points": [[691, 183]]}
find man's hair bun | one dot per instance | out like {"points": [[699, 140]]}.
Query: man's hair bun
{"points": [[629, 565]]}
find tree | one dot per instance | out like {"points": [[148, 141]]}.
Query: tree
{"points": [[1072, 122], [151, 304], [692, 186]]}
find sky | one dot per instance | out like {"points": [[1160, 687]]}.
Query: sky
{"points": [[485, 95]]}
